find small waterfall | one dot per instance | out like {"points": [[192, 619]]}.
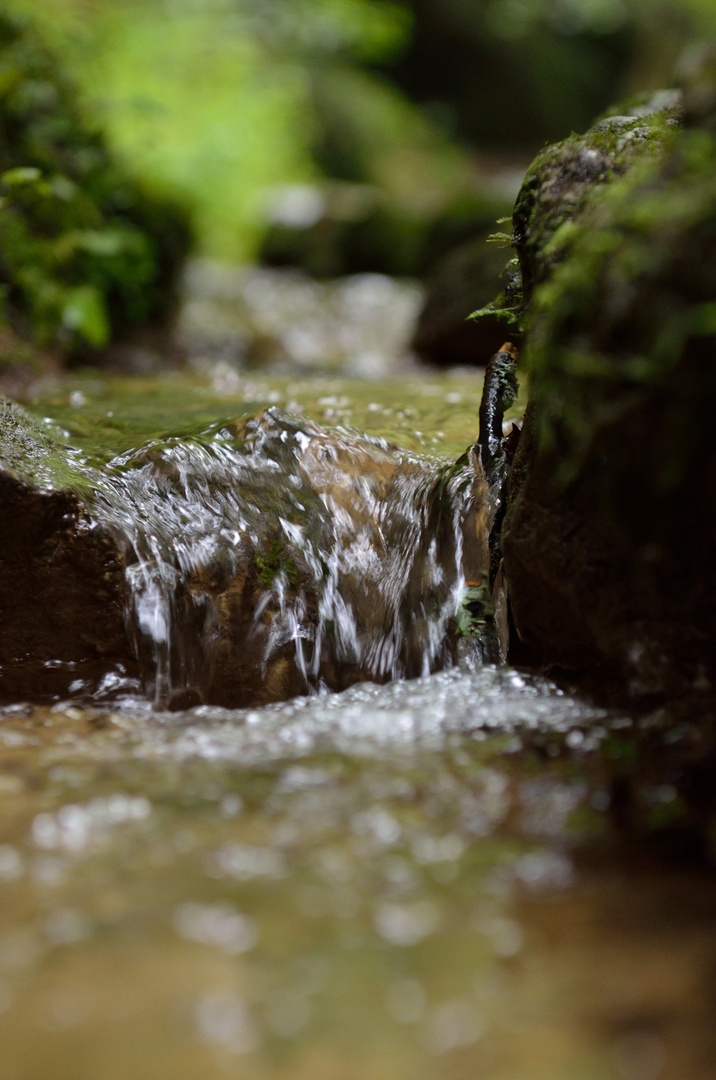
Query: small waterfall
{"points": [[270, 556]]}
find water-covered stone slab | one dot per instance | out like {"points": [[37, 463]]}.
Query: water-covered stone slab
{"points": [[244, 564], [62, 586]]}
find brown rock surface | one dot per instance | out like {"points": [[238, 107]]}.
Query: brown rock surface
{"points": [[62, 593]]}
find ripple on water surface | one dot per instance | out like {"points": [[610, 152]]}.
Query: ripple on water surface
{"points": [[374, 883]]}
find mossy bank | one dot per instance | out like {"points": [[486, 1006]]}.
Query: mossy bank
{"points": [[609, 537]]}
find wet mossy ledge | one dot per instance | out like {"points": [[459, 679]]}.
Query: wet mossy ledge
{"points": [[254, 561], [85, 252], [610, 533]]}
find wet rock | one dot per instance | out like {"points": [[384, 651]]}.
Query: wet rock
{"points": [[465, 279], [563, 184], [62, 586], [609, 538], [567, 178], [270, 557], [257, 560]]}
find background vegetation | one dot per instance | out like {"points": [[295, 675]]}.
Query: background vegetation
{"points": [[215, 101], [211, 105]]}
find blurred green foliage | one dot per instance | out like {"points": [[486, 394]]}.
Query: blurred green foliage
{"points": [[212, 101], [83, 251], [514, 74]]}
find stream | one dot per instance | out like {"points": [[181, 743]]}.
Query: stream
{"points": [[413, 868]]}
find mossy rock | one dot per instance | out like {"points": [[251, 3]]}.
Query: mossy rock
{"points": [[565, 181], [568, 177], [610, 536]]}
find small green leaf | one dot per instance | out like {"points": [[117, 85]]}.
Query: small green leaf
{"points": [[85, 312], [105, 243], [24, 175]]}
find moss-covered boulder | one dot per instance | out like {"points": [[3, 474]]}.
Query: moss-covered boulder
{"points": [[568, 177], [610, 535]]}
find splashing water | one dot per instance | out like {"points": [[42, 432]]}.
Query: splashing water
{"points": [[270, 556]]}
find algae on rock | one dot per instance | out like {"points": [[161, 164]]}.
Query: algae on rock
{"points": [[610, 534], [565, 181]]}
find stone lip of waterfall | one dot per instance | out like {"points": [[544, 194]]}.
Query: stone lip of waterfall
{"points": [[270, 557]]}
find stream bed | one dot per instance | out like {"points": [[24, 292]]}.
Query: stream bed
{"points": [[429, 878]]}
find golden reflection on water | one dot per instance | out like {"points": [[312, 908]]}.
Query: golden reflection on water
{"points": [[170, 912]]}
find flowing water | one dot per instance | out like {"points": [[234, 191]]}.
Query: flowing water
{"points": [[284, 541], [407, 878]]}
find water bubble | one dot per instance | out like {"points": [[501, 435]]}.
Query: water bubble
{"points": [[218, 925], [544, 870], [223, 1018], [378, 824], [431, 849], [242, 862], [506, 935], [407, 924], [74, 826], [302, 778], [231, 805], [451, 1025]]}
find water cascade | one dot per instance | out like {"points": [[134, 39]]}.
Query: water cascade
{"points": [[270, 556]]}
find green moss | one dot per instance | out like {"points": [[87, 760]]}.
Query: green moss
{"points": [[566, 179], [273, 562], [30, 453], [509, 305], [630, 308], [562, 184]]}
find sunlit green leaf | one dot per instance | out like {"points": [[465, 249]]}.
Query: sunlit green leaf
{"points": [[86, 313], [24, 175]]}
